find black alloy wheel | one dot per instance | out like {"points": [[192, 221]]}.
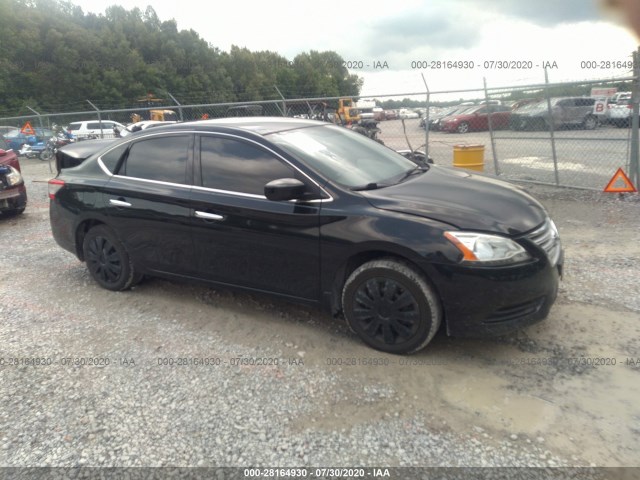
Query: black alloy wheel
{"points": [[391, 306], [107, 260]]}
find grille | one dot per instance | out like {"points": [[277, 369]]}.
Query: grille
{"points": [[546, 237]]}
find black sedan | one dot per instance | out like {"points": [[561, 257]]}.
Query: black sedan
{"points": [[313, 213]]}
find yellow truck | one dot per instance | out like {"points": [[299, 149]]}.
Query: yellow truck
{"points": [[159, 115], [347, 111]]}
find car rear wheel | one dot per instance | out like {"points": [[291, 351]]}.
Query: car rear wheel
{"points": [[590, 122], [107, 260], [391, 306], [463, 127]]}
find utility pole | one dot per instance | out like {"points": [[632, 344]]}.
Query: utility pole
{"points": [[634, 158]]}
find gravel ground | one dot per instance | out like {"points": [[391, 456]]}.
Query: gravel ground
{"points": [[462, 403]]}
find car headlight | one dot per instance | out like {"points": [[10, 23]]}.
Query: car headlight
{"points": [[14, 177], [487, 250]]}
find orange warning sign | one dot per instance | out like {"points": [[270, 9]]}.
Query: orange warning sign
{"points": [[620, 176], [27, 129]]}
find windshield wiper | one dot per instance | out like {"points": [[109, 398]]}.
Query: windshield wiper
{"points": [[368, 186], [419, 169]]}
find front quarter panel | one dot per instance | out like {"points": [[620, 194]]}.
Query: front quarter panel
{"points": [[369, 232]]}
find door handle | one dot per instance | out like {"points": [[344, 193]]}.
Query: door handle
{"points": [[119, 203], [209, 216]]}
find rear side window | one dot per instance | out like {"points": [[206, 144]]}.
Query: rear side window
{"points": [[160, 158], [236, 166], [74, 126], [110, 159]]}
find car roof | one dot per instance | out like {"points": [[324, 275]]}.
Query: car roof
{"points": [[258, 125]]}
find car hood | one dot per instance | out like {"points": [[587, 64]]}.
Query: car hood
{"points": [[464, 200]]}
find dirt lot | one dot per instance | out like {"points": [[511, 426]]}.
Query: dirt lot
{"points": [[561, 393]]}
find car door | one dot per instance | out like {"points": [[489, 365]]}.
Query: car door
{"points": [[480, 119], [240, 237], [500, 116], [567, 111], [147, 201]]}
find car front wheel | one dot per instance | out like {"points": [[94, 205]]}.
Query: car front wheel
{"points": [[107, 260], [391, 306], [463, 127]]}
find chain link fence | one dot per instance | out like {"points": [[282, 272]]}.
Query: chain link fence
{"points": [[565, 134]]}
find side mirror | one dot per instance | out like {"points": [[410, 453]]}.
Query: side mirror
{"points": [[284, 189]]}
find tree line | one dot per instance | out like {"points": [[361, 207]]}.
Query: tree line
{"points": [[54, 56]]}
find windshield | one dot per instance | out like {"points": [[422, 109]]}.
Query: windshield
{"points": [[344, 157]]}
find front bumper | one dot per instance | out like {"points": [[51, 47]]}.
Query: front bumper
{"points": [[14, 198], [448, 127], [485, 301]]}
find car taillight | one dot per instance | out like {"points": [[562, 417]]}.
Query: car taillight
{"points": [[54, 186]]}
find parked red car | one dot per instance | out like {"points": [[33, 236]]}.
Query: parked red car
{"points": [[477, 119], [13, 194]]}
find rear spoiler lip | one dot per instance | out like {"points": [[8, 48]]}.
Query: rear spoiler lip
{"points": [[74, 154]]}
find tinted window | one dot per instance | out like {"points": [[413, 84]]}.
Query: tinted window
{"points": [[236, 166], [585, 102], [96, 126], [110, 159], [74, 126], [160, 158]]}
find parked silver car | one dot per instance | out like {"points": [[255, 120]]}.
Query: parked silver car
{"points": [[577, 112]]}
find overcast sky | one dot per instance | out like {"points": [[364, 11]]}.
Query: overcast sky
{"points": [[397, 33]]}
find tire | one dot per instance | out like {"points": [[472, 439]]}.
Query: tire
{"points": [[391, 306], [590, 122], [46, 155], [107, 260], [463, 128], [14, 212]]}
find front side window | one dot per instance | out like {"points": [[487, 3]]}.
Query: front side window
{"points": [[343, 156], [237, 166], [159, 158]]}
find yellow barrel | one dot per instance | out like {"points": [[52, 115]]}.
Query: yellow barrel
{"points": [[470, 157]]}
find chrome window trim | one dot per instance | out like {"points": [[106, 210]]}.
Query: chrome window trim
{"points": [[159, 182], [214, 190], [103, 167], [229, 192], [253, 195]]}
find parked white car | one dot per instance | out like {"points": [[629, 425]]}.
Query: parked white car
{"points": [[406, 113], [94, 128], [143, 125], [619, 113]]}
